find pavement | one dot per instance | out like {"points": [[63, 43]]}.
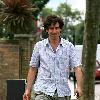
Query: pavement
{"points": [[97, 90], [71, 85]]}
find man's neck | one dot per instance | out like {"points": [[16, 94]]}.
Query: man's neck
{"points": [[54, 43]]}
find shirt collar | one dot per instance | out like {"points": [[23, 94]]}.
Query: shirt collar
{"points": [[61, 42], [47, 42]]}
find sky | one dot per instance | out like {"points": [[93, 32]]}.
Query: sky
{"points": [[75, 4]]}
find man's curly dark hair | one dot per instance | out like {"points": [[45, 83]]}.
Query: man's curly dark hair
{"points": [[53, 19]]}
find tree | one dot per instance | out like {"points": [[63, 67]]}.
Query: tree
{"points": [[99, 36], [1, 31], [70, 17], [92, 21], [79, 31], [40, 4], [46, 11]]}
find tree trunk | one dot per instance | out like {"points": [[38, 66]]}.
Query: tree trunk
{"points": [[89, 47]]}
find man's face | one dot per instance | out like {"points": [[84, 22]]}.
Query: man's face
{"points": [[54, 31]]}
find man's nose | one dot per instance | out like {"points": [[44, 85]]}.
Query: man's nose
{"points": [[54, 29]]}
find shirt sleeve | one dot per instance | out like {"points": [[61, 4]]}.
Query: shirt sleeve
{"points": [[35, 58], [74, 60]]}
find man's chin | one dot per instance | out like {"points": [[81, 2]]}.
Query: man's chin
{"points": [[54, 37]]}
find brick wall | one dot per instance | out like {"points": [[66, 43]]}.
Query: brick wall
{"points": [[26, 43], [25, 56], [9, 64], [14, 60]]}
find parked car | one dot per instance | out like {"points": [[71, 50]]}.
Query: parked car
{"points": [[97, 70]]}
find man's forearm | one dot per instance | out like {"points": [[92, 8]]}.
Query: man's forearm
{"points": [[78, 74], [31, 78]]}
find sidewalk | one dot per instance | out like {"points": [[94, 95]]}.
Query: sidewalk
{"points": [[97, 97], [71, 85], [97, 92]]}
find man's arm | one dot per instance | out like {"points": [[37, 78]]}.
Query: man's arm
{"points": [[31, 77], [79, 75], [30, 80]]}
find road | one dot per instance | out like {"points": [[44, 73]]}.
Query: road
{"points": [[97, 90]]}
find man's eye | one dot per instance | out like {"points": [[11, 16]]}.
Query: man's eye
{"points": [[57, 28], [51, 28]]}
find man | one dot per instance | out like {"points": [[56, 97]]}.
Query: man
{"points": [[50, 64]]}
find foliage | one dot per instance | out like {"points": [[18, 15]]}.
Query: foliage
{"points": [[66, 11], [70, 18], [99, 36], [44, 34], [1, 31], [40, 4], [79, 32], [46, 11], [16, 16]]}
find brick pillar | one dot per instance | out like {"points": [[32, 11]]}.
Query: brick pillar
{"points": [[9, 64], [26, 43]]}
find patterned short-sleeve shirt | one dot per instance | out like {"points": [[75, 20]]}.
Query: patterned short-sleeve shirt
{"points": [[53, 66]]}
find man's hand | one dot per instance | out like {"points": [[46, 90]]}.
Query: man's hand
{"points": [[79, 75], [78, 92], [27, 95], [30, 80]]}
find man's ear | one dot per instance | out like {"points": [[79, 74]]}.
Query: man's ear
{"points": [[47, 30], [60, 30]]}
